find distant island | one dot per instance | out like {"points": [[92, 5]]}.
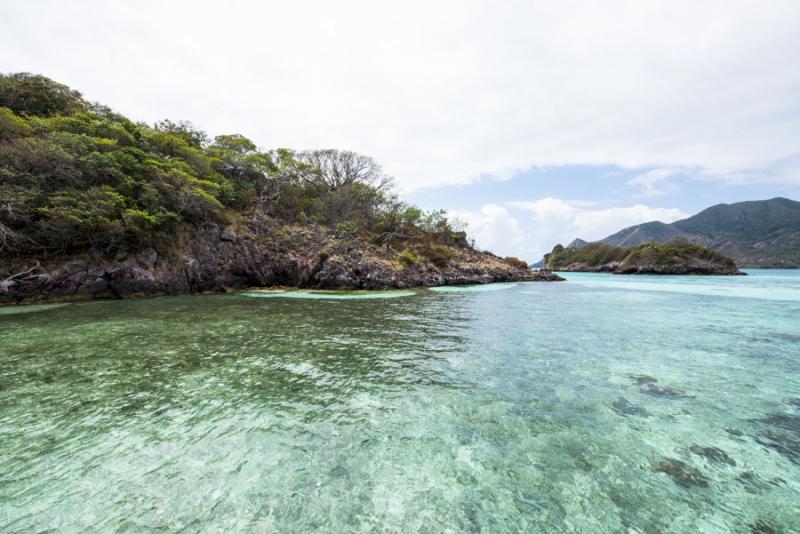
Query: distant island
{"points": [[94, 205], [755, 234], [678, 256]]}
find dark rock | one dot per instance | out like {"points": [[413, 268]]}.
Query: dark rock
{"points": [[763, 526], [752, 482], [147, 258], [712, 453], [625, 408], [641, 380], [783, 434], [735, 434], [782, 443], [667, 393], [795, 402], [785, 421], [680, 473]]}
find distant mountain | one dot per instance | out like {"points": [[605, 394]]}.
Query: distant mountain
{"points": [[761, 233]]}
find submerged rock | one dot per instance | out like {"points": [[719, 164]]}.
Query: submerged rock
{"points": [[623, 407], [783, 436], [641, 380], [755, 484], [712, 453], [785, 421], [735, 434], [795, 402], [682, 474], [665, 392], [781, 443], [763, 526]]}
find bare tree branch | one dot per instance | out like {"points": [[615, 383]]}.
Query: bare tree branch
{"points": [[337, 168]]}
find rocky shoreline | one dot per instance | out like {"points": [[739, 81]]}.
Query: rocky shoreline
{"points": [[245, 255], [687, 269]]}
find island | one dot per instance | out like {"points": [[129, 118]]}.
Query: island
{"points": [[95, 205], [678, 256]]}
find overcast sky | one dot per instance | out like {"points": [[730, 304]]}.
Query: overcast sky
{"points": [[535, 122]]}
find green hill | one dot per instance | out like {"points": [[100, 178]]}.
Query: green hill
{"points": [[763, 233]]}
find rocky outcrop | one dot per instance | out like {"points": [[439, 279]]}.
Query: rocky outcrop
{"points": [[677, 257], [690, 267], [246, 254], [694, 266]]}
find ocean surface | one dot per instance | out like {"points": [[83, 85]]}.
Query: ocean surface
{"points": [[601, 404]]}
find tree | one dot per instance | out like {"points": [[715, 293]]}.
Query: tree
{"points": [[338, 168], [75, 175], [184, 130], [31, 94], [234, 143], [12, 126]]}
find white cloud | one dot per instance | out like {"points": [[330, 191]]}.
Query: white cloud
{"points": [[492, 228], [551, 220], [445, 92], [655, 183]]}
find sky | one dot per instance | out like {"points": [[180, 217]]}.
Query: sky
{"points": [[533, 122]]}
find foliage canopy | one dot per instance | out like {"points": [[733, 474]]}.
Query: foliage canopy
{"points": [[75, 175]]}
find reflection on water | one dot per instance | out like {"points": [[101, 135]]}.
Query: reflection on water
{"points": [[580, 406]]}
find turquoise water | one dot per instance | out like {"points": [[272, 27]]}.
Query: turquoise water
{"points": [[602, 404]]}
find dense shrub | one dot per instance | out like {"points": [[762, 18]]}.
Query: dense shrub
{"points": [[75, 174], [439, 255], [592, 254], [674, 252], [29, 94], [407, 258]]}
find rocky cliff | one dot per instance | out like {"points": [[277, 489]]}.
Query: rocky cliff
{"points": [[252, 253]]}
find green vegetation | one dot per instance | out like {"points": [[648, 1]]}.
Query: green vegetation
{"points": [[407, 258], [438, 255], [675, 252], [74, 175], [592, 254]]}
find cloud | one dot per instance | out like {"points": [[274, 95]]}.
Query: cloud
{"points": [[492, 228], [446, 92], [548, 221], [655, 183]]}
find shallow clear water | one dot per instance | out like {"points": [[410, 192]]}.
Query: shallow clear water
{"points": [[603, 404]]}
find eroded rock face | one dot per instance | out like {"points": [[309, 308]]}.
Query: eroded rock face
{"points": [[246, 254]]}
